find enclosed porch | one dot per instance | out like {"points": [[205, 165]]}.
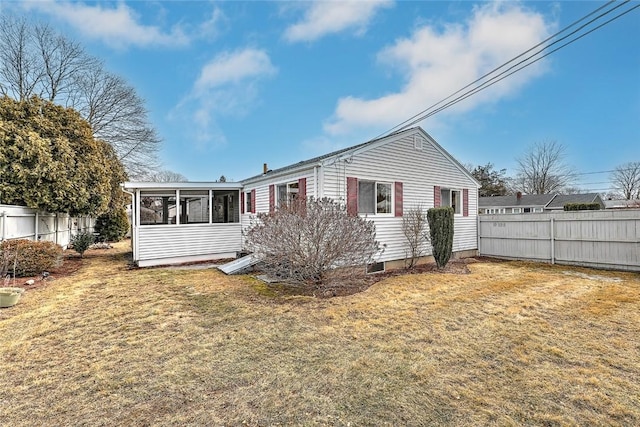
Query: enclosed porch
{"points": [[184, 222]]}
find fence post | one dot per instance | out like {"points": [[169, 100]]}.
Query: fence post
{"points": [[35, 231], [553, 243]]}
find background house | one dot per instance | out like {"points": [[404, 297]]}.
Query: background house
{"points": [[531, 203]]}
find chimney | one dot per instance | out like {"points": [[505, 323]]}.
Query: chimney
{"points": [[265, 169], [519, 195]]}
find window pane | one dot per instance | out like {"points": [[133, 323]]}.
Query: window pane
{"points": [[445, 198], [366, 192], [282, 194], [194, 207], [226, 206], [247, 197], [157, 209], [383, 198], [455, 201]]}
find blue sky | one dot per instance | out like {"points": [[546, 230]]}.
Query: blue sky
{"points": [[231, 85]]}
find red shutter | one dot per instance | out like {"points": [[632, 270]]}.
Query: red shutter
{"points": [[272, 198], [436, 196], [242, 202], [253, 201], [352, 196], [465, 202], [398, 199], [302, 188]]}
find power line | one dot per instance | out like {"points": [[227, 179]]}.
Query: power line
{"points": [[518, 66]]}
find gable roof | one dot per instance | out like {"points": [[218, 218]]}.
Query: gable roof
{"points": [[562, 199], [305, 164], [512, 200]]}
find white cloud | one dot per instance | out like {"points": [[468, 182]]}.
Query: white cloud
{"points": [[115, 26], [328, 17], [228, 85], [233, 67], [435, 63]]}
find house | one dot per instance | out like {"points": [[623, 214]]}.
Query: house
{"points": [[519, 203], [530, 203], [622, 204], [558, 202], [378, 179]]}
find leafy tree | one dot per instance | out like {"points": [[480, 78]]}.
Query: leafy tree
{"points": [[542, 169], [626, 180], [49, 160], [113, 225], [37, 60], [494, 182], [313, 242], [441, 231]]}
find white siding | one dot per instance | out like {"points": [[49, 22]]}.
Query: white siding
{"points": [[419, 171], [157, 242]]}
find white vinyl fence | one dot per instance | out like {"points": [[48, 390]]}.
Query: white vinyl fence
{"points": [[19, 222], [601, 239]]}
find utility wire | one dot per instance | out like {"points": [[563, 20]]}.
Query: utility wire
{"points": [[518, 66], [422, 116], [395, 128]]}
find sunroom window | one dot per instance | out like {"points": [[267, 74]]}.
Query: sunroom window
{"points": [[194, 206], [374, 197], [157, 208]]}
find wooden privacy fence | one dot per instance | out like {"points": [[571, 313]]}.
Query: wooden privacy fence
{"points": [[19, 222], [602, 239]]}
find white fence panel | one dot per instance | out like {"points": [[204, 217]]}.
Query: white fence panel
{"points": [[603, 239], [19, 222]]}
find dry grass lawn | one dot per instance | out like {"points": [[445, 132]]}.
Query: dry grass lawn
{"points": [[512, 343]]}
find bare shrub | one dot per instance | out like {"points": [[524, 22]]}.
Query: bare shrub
{"points": [[313, 242], [415, 228]]}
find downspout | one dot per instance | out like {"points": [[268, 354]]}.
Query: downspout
{"points": [[3, 216], [135, 219]]}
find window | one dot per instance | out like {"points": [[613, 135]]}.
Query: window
{"points": [[226, 207], [157, 208], [451, 198], [286, 193], [194, 206], [527, 210], [374, 197], [248, 205]]}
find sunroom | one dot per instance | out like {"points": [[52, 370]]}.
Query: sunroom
{"points": [[181, 222]]}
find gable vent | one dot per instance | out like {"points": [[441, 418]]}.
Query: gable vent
{"points": [[418, 142]]}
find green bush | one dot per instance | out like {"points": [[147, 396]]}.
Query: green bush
{"points": [[29, 257], [82, 241], [113, 225], [441, 232], [582, 206]]}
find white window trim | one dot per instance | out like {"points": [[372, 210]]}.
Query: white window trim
{"points": [[375, 188]]}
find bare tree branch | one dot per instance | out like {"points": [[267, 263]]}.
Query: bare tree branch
{"points": [[626, 180], [542, 169], [36, 60]]}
